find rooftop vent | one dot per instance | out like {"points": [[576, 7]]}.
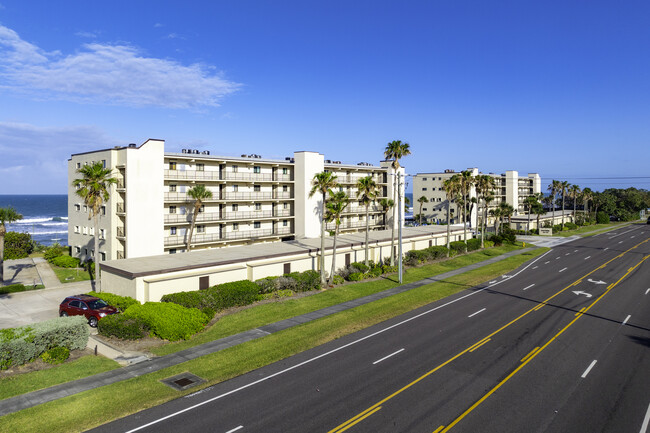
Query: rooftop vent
{"points": [[336, 162], [328, 161], [449, 170], [133, 145]]}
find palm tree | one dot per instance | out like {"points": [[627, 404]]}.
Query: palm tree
{"points": [[322, 182], [367, 193], [487, 199], [484, 185], [574, 192], [554, 188], [538, 209], [199, 193], [93, 187], [395, 150], [548, 200], [7, 216], [422, 200], [451, 190], [335, 206], [387, 204], [564, 186], [530, 201], [466, 181], [587, 194], [496, 213], [506, 211]]}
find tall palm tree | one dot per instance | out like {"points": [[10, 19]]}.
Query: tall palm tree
{"points": [[587, 195], [7, 216], [564, 187], [335, 206], [396, 150], [386, 205], [574, 192], [554, 188], [466, 182], [538, 209], [530, 201], [496, 214], [484, 185], [451, 190], [367, 193], [506, 211], [422, 200], [487, 199], [199, 193], [93, 187], [322, 183]]}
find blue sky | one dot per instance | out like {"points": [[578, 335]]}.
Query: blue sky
{"points": [[561, 88]]}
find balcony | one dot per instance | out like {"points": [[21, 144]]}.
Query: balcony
{"points": [[120, 254], [353, 225], [121, 233], [226, 176], [201, 238], [120, 208]]}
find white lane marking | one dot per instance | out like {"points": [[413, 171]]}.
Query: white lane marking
{"points": [[474, 314], [631, 237], [621, 233], [589, 369], [606, 249], [526, 288], [567, 254], [546, 263], [646, 420], [563, 269], [235, 429], [620, 242], [588, 257], [322, 355], [575, 251], [536, 267], [492, 282], [626, 319], [557, 258], [388, 356], [647, 291]]}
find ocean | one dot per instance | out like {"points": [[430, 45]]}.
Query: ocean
{"points": [[45, 217]]}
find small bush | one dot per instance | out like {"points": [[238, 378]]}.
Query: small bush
{"points": [[167, 320], [361, 267], [458, 247], [355, 276], [488, 244], [56, 355], [65, 262], [308, 280], [278, 294], [123, 327], [13, 288], [473, 244], [286, 283], [415, 257], [119, 302], [267, 285], [387, 269], [436, 252], [374, 272], [570, 226], [337, 279], [236, 293], [53, 252], [195, 299], [602, 218], [18, 245]]}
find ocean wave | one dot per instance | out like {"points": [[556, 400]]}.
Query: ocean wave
{"points": [[37, 220], [56, 232]]}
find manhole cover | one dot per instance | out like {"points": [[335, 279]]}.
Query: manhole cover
{"points": [[183, 381]]}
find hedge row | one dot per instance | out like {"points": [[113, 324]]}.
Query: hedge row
{"points": [[119, 302], [216, 298], [295, 281], [24, 344]]}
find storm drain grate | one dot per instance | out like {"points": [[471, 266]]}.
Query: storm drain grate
{"points": [[183, 381]]}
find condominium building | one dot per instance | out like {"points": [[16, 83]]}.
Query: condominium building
{"points": [[509, 187], [254, 199]]}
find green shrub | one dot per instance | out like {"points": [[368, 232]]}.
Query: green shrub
{"points": [[337, 279], [285, 282], [473, 244], [195, 299], [167, 320], [23, 344], [277, 294], [361, 267], [602, 218], [117, 301], [374, 272], [308, 280], [387, 269], [52, 252], [488, 244], [121, 326], [415, 257], [570, 226], [14, 288], [355, 276], [56, 355], [65, 262], [458, 247], [267, 285], [18, 245], [234, 294]]}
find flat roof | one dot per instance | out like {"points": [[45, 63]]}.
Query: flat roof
{"points": [[167, 263]]}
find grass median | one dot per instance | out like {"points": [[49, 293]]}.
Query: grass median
{"points": [[69, 414]]}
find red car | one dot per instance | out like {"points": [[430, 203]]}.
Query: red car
{"points": [[84, 305]]}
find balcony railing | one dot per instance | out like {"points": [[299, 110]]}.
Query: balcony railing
{"points": [[352, 225], [120, 208], [226, 216], [228, 236], [121, 233], [227, 175], [120, 254], [259, 195]]}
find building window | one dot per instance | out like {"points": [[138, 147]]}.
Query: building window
{"points": [[102, 256], [172, 165], [257, 170], [285, 205], [424, 189], [258, 206], [77, 249], [85, 251], [235, 168], [235, 188], [235, 207], [257, 225], [172, 209], [172, 188], [85, 208], [172, 251], [285, 223], [285, 170], [285, 188], [172, 231], [235, 227], [103, 210], [104, 163], [200, 229], [202, 208], [200, 167], [77, 207], [78, 165], [424, 209], [76, 229], [92, 231], [84, 230], [102, 234], [256, 188], [424, 178]]}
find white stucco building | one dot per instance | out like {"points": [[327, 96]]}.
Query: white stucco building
{"points": [[253, 200]]}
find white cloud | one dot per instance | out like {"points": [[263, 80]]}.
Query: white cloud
{"points": [[113, 74], [83, 34], [34, 158]]}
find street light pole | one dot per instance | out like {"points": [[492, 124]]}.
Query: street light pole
{"points": [[399, 219]]}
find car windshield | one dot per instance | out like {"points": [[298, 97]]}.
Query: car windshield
{"points": [[99, 303]]}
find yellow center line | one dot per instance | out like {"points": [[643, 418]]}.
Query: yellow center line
{"points": [[366, 413], [439, 429], [476, 347], [581, 311], [530, 354], [356, 421], [537, 352]]}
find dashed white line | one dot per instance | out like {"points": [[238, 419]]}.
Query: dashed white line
{"points": [[606, 249], [631, 237], [567, 254], [647, 291], [557, 258], [474, 314], [575, 251], [646, 420], [589, 369], [235, 429], [563, 269], [388, 356], [536, 267], [546, 263], [620, 242], [626, 319], [588, 257], [526, 288]]}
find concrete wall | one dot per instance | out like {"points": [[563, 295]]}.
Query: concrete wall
{"points": [[308, 216]]}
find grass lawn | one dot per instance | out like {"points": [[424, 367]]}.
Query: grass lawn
{"points": [[123, 398], [587, 230], [13, 288], [71, 275]]}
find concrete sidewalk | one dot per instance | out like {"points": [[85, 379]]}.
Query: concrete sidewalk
{"points": [[150, 365]]}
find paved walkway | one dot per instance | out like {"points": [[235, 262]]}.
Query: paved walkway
{"points": [[150, 365]]}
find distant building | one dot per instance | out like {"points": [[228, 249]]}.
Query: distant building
{"points": [[510, 188], [254, 200]]}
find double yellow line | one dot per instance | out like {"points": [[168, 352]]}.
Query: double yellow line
{"points": [[377, 406]]}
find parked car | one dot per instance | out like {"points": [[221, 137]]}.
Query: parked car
{"points": [[85, 305]]}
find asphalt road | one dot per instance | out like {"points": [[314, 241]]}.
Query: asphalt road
{"points": [[560, 345]]}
